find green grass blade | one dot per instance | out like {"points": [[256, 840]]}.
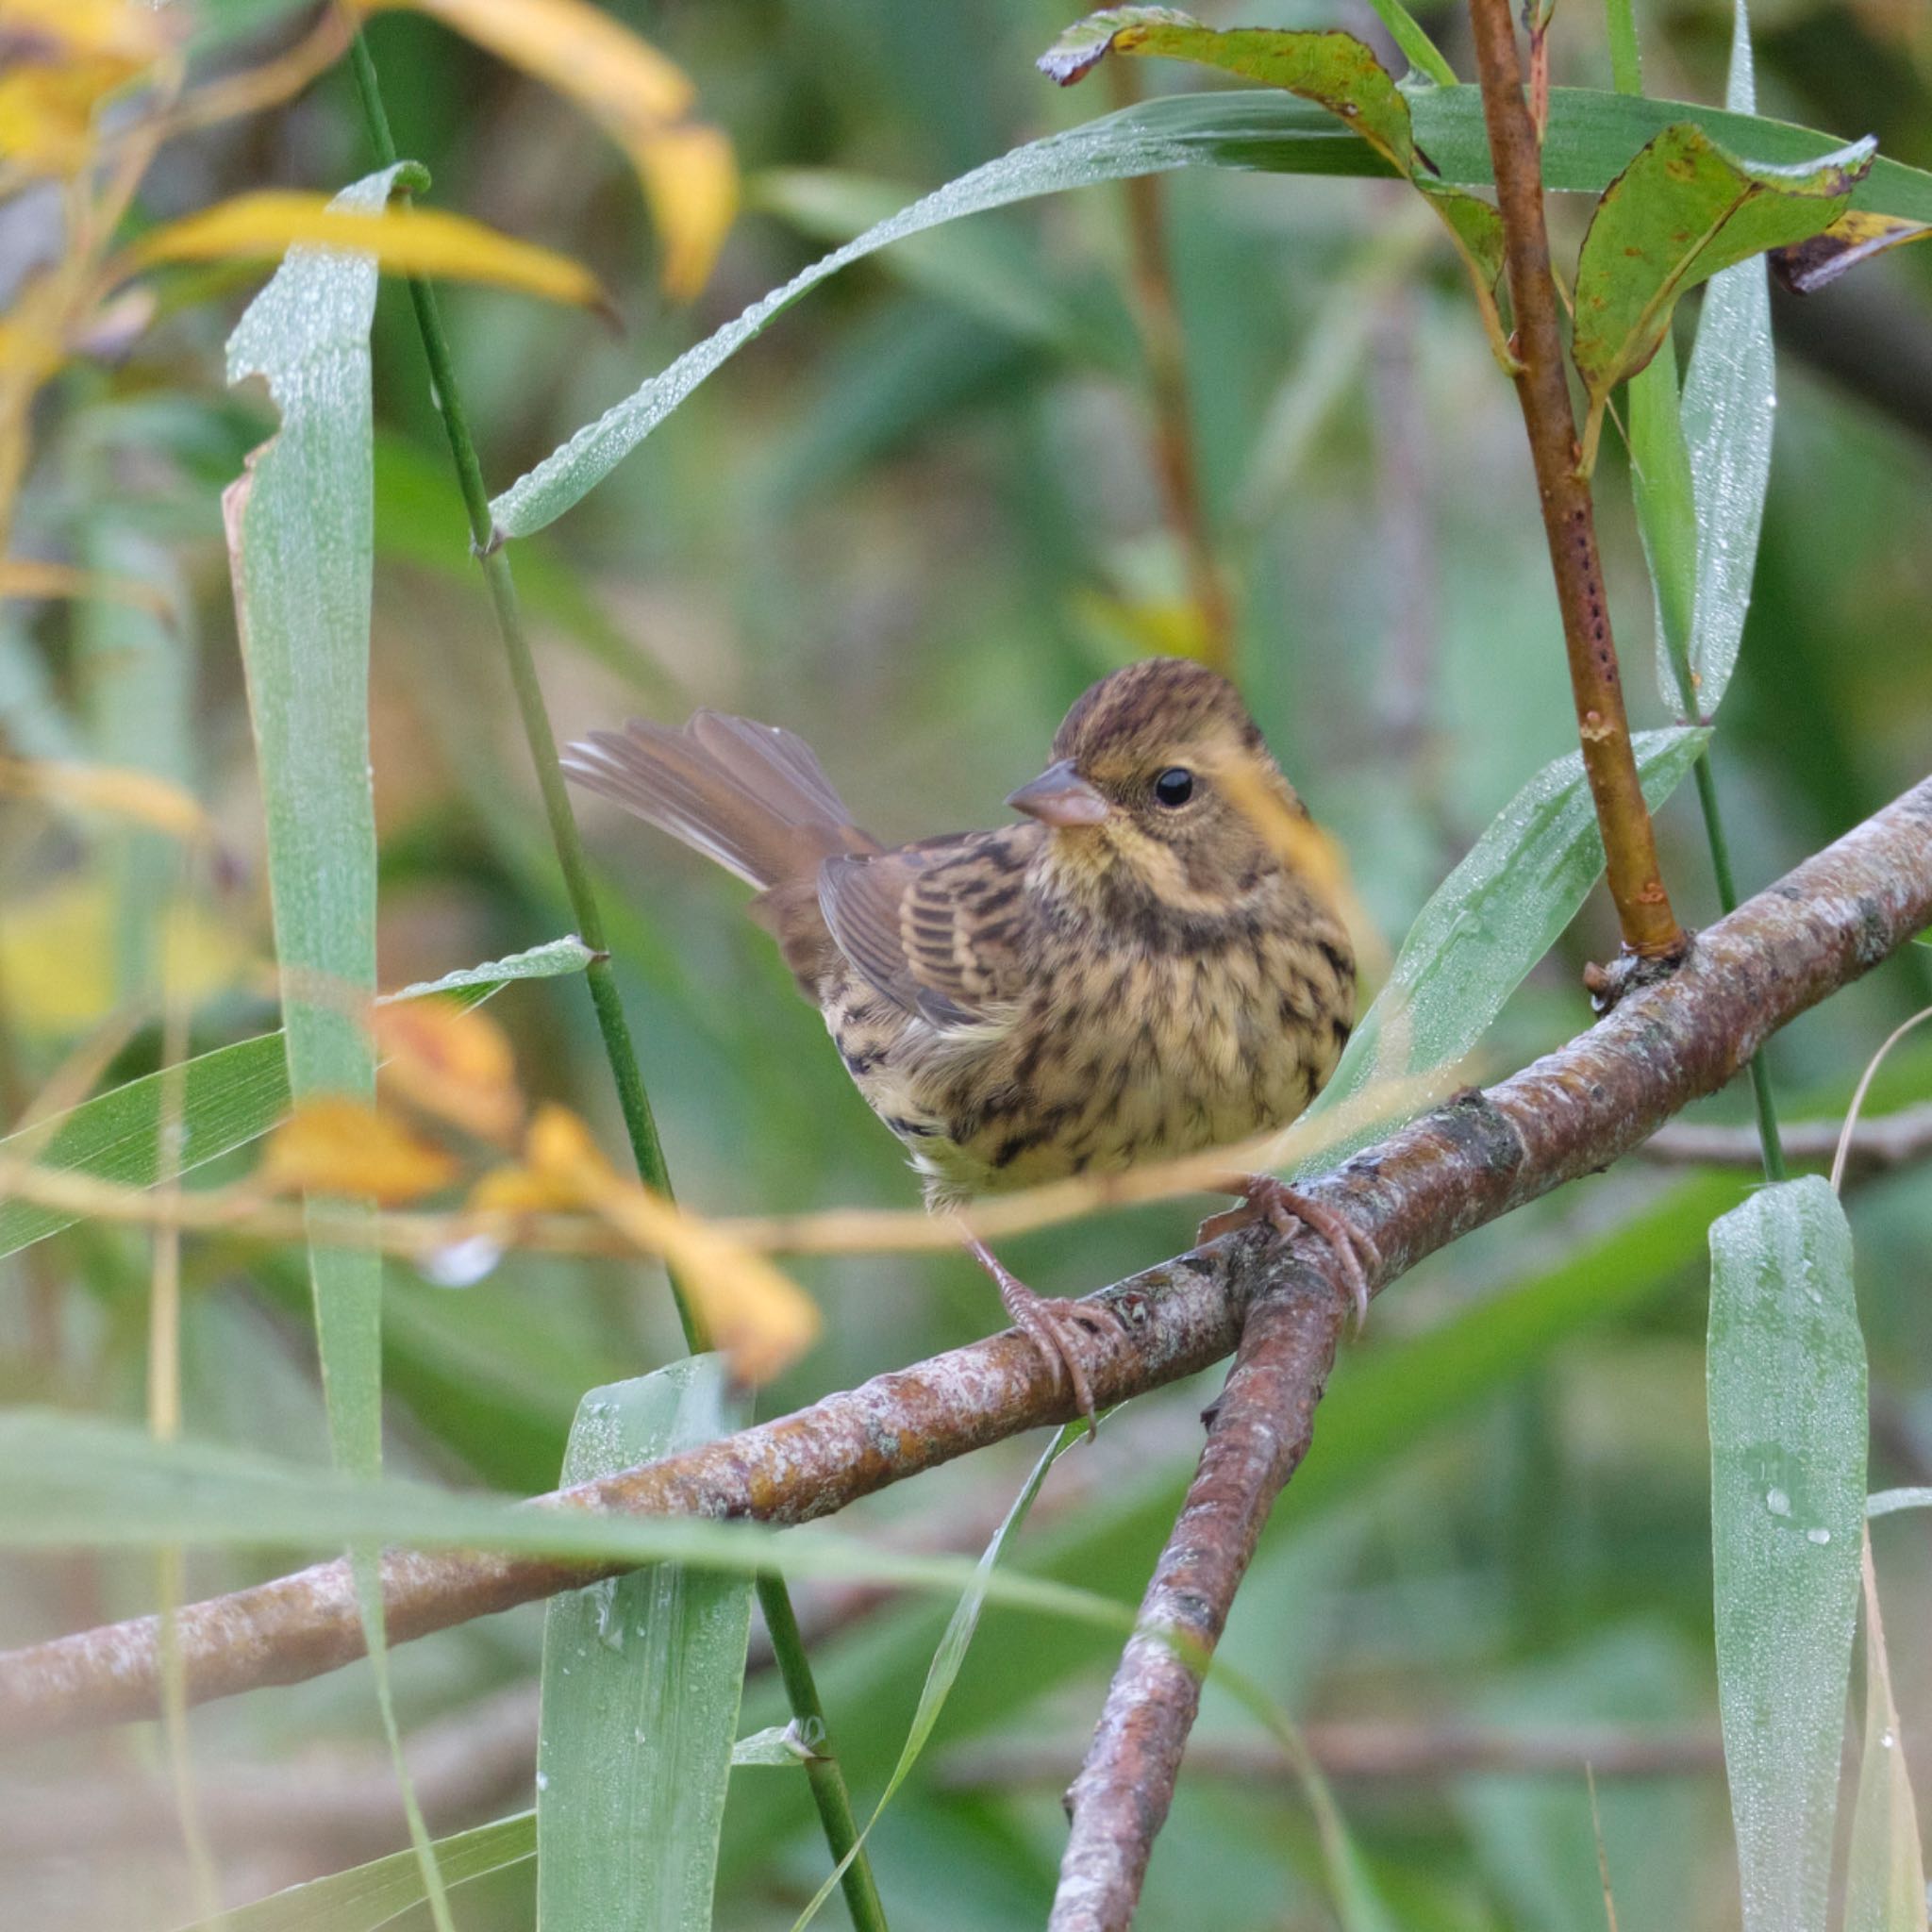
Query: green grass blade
{"points": [[1885, 1870], [367, 1896], [641, 1680], [1489, 921], [1591, 137], [1729, 406], [1787, 1427], [951, 1654], [233, 1095], [301, 548]]}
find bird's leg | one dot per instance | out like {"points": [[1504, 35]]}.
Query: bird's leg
{"points": [[1264, 1198], [1051, 1326]]}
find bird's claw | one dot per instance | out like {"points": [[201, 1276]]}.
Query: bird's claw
{"points": [[1264, 1198], [1045, 1324]]}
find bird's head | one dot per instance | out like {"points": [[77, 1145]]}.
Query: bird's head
{"points": [[1160, 782]]}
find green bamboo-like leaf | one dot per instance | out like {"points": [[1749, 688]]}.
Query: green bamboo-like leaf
{"points": [[1683, 210], [300, 529], [366, 1897], [1700, 468], [231, 1096], [641, 1680], [1592, 136], [1885, 1871], [74, 1482], [1488, 923], [1788, 1426], [954, 1643]]}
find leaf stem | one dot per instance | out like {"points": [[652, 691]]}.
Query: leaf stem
{"points": [[1650, 927], [827, 1781]]}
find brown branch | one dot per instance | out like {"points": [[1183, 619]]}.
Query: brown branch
{"points": [[1649, 926], [1878, 1145], [1164, 344], [1575, 1111], [1257, 1434]]}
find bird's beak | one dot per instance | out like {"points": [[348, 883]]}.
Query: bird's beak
{"points": [[1060, 796]]}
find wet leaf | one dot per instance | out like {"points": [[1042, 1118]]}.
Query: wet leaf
{"points": [[1857, 236], [1884, 1872], [453, 1062], [1591, 135], [333, 1145], [642, 100], [641, 1680], [1788, 1425], [263, 225], [1334, 70], [1683, 210]]}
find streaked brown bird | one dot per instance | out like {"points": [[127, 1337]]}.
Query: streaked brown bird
{"points": [[1136, 972]]}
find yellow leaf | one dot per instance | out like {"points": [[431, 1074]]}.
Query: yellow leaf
{"points": [[336, 1145], [47, 112], [112, 27], [642, 100], [29, 577], [757, 1316], [262, 226], [452, 1062], [57, 953], [128, 794]]}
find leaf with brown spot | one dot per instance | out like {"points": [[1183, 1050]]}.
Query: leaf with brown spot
{"points": [[1857, 236]]}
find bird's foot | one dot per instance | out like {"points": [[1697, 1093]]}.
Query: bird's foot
{"points": [[1057, 1329], [1264, 1198]]}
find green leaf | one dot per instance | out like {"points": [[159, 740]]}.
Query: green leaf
{"points": [[949, 1656], [231, 1095], [1787, 1427], [1335, 71], [372, 1895], [1682, 210], [1488, 923], [641, 1680], [1885, 1871], [301, 548], [1700, 469], [776, 1745], [74, 1482]]}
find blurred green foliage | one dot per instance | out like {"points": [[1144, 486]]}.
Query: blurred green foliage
{"points": [[911, 523]]}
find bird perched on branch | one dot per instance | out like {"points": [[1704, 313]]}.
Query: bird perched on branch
{"points": [[1141, 969]]}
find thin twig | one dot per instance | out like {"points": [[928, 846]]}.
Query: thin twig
{"points": [[1878, 1146], [1164, 344], [1261, 1430], [1570, 1114], [1649, 926]]}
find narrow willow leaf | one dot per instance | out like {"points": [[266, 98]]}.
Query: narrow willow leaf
{"points": [[1884, 1872], [950, 1656], [1730, 405], [641, 1680], [1682, 210], [369, 1896], [1489, 921], [232, 1095], [300, 551], [74, 1482], [1887, 1502], [261, 225], [1788, 1426], [1591, 136], [776, 1745]]}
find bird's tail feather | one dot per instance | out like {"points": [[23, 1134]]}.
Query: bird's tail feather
{"points": [[748, 795]]}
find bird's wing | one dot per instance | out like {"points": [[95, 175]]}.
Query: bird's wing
{"points": [[938, 927]]}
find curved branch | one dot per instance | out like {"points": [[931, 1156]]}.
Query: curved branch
{"points": [[1573, 1112], [1880, 1143]]}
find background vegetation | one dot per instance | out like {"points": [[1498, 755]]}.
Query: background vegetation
{"points": [[911, 523]]}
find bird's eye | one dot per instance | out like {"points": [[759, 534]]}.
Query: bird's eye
{"points": [[1175, 786]]}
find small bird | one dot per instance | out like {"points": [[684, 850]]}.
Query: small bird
{"points": [[1135, 973]]}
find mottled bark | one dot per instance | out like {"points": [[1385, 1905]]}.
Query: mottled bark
{"points": [[1573, 1112]]}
